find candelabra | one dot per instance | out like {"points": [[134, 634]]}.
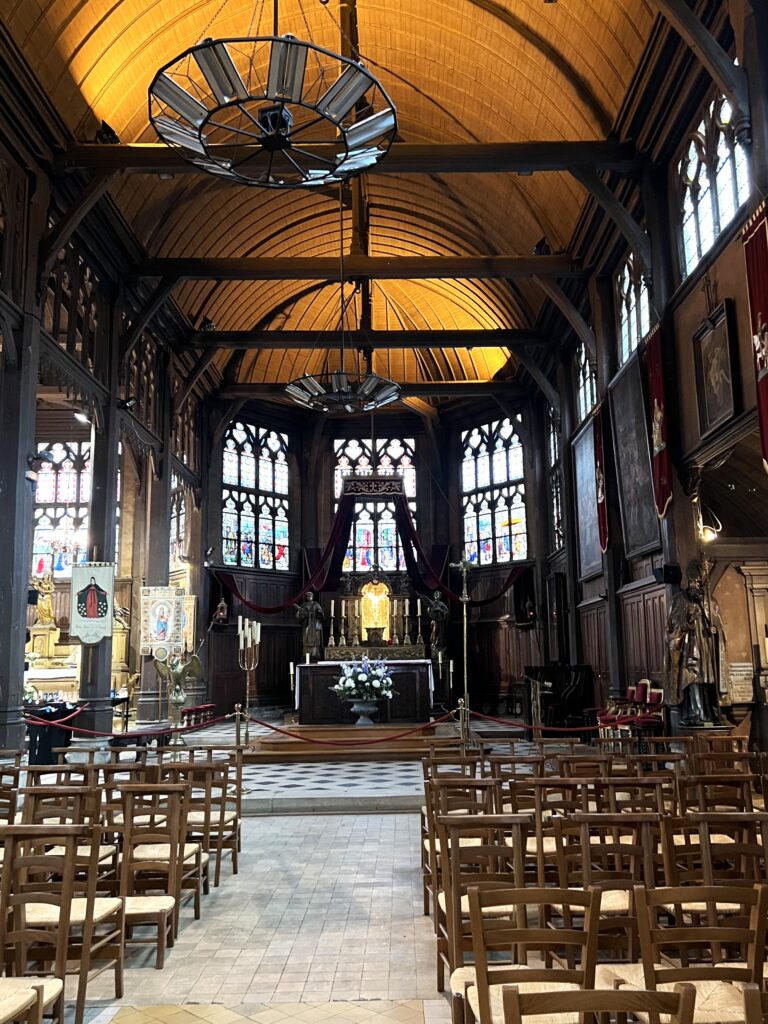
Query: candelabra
{"points": [[407, 628], [419, 637], [249, 642], [355, 630], [331, 640]]}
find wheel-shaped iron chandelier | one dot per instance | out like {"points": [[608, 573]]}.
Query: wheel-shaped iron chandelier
{"points": [[272, 111]]}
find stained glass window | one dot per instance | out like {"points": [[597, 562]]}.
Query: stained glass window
{"points": [[714, 182], [178, 531], [62, 495], [555, 482], [633, 308], [373, 540], [254, 518], [586, 383], [495, 518]]}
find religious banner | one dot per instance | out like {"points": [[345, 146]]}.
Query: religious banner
{"points": [[661, 464], [162, 621], [755, 239], [190, 622], [602, 507], [92, 601]]}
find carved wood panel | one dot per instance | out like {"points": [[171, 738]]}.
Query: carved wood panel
{"points": [[594, 639], [643, 617]]}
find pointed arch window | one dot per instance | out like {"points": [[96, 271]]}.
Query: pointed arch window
{"points": [[555, 482], [178, 531], [493, 494], [374, 540], [254, 517], [586, 383], [714, 182], [634, 308]]}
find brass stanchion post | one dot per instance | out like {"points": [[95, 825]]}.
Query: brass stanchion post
{"points": [[463, 567]]}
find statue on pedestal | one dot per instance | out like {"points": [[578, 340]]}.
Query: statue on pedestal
{"points": [[44, 606], [437, 610], [695, 664], [310, 615]]}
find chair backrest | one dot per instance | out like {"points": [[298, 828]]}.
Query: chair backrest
{"points": [[704, 922], [63, 774], [12, 755], [516, 767], [720, 762], [447, 765], [677, 1005], [616, 744], [8, 803], [60, 805], [117, 753], [583, 766], [734, 847], [671, 744], [630, 795], [709, 793], [466, 795], [152, 815], [502, 920], [208, 782], [33, 875], [85, 755]]}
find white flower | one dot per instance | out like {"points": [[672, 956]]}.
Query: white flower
{"points": [[350, 684], [376, 684], [362, 677]]}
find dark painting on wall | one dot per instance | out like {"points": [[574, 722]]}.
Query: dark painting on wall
{"points": [[631, 448], [590, 556], [715, 368]]}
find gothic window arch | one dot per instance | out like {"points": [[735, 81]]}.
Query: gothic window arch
{"points": [[555, 482], [62, 496], [714, 182], [633, 306], [178, 525], [493, 494], [254, 518], [374, 540], [586, 383]]}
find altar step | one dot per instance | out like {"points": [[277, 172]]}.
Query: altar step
{"points": [[329, 743]]}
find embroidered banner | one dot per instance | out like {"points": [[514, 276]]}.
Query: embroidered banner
{"points": [[755, 239], [92, 601], [602, 507], [162, 621], [661, 464]]}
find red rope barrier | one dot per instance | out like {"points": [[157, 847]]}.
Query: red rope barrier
{"points": [[353, 743], [127, 735], [58, 721], [535, 728]]}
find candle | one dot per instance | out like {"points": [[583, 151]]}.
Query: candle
{"points": [[343, 608], [332, 605], [239, 623], [258, 632], [306, 662], [450, 667], [290, 670], [407, 607], [241, 639], [418, 607], [439, 657]]}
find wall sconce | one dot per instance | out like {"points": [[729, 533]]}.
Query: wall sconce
{"points": [[35, 463], [126, 404]]}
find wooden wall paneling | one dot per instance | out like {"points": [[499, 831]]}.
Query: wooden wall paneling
{"points": [[633, 630], [594, 635], [655, 613], [643, 618]]}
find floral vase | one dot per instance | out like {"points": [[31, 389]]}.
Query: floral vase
{"points": [[364, 709]]}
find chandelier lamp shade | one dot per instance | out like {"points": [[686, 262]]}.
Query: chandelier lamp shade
{"points": [[272, 111], [342, 392]]}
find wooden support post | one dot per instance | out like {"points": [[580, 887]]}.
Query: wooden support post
{"points": [[750, 20], [567, 427]]}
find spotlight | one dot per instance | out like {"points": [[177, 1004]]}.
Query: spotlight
{"points": [[208, 552], [127, 404], [207, 325], [84, 418]]}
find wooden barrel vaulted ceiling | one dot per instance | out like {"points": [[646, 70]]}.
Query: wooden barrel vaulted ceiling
{"points": [[457, 70]]}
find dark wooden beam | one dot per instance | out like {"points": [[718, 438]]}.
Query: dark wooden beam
{"points": [[382, 268], [403, 158], [144, 317], [65, 227], [502, 338], [423, 389]]}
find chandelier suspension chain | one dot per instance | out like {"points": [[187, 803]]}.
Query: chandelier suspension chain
{"points": [[341, 271]]}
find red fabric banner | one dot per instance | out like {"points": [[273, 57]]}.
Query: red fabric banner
{"points": [[602, 507], [661, 463], [755, 239]]}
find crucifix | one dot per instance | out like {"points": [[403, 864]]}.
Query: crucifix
{"points": [[463, 567]]}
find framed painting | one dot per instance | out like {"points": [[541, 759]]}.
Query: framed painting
{"points": [[632, 454], [716, 368], [583, 448]]}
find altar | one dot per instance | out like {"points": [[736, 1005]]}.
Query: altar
{"points": [[317, 704]]}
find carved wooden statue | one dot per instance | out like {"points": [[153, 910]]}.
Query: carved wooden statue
{"points": [[310, 615]]}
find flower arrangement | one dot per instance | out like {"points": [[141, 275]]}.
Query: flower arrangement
{"points": [[364, 680]]}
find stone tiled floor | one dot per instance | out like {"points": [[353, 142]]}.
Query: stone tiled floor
{"points": [[411, 1011], [326, 909]]}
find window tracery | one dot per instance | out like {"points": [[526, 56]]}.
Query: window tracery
{"points": [[373, 539], [555, 482], [633, 305], [255, 497], [714, 182], [586, 383], [178, 525], [495, 516]]}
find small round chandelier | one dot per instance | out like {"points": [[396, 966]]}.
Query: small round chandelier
{"points": [[340, 391], [273, 111]]}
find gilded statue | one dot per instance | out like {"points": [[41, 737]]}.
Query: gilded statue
{"points": [[310, 615], [176, 674], [45, 588], [695, 662], [374, 609]]}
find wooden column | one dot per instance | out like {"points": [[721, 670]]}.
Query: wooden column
{"points": [[567, 427], [96, 661], [157, 544], [750, 19], [538, 525]]}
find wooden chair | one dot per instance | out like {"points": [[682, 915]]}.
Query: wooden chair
{"points": [[719, 762], [482, 850], [669, 934], [50, 915], [21, 1004], [117, 753], [12, 755], [516, 767], [504, 920], [577, 1007], [8, 803], [755, 1004], [211, 814], [710, 793], [553, 798], [716, 849], [583, 766], [630, 796], [151, 887], [69, 805], [63, 775], [612, 853]]}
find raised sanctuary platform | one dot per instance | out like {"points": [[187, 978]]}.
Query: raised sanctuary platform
{"points": [[346, 743], [318, 704]]}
